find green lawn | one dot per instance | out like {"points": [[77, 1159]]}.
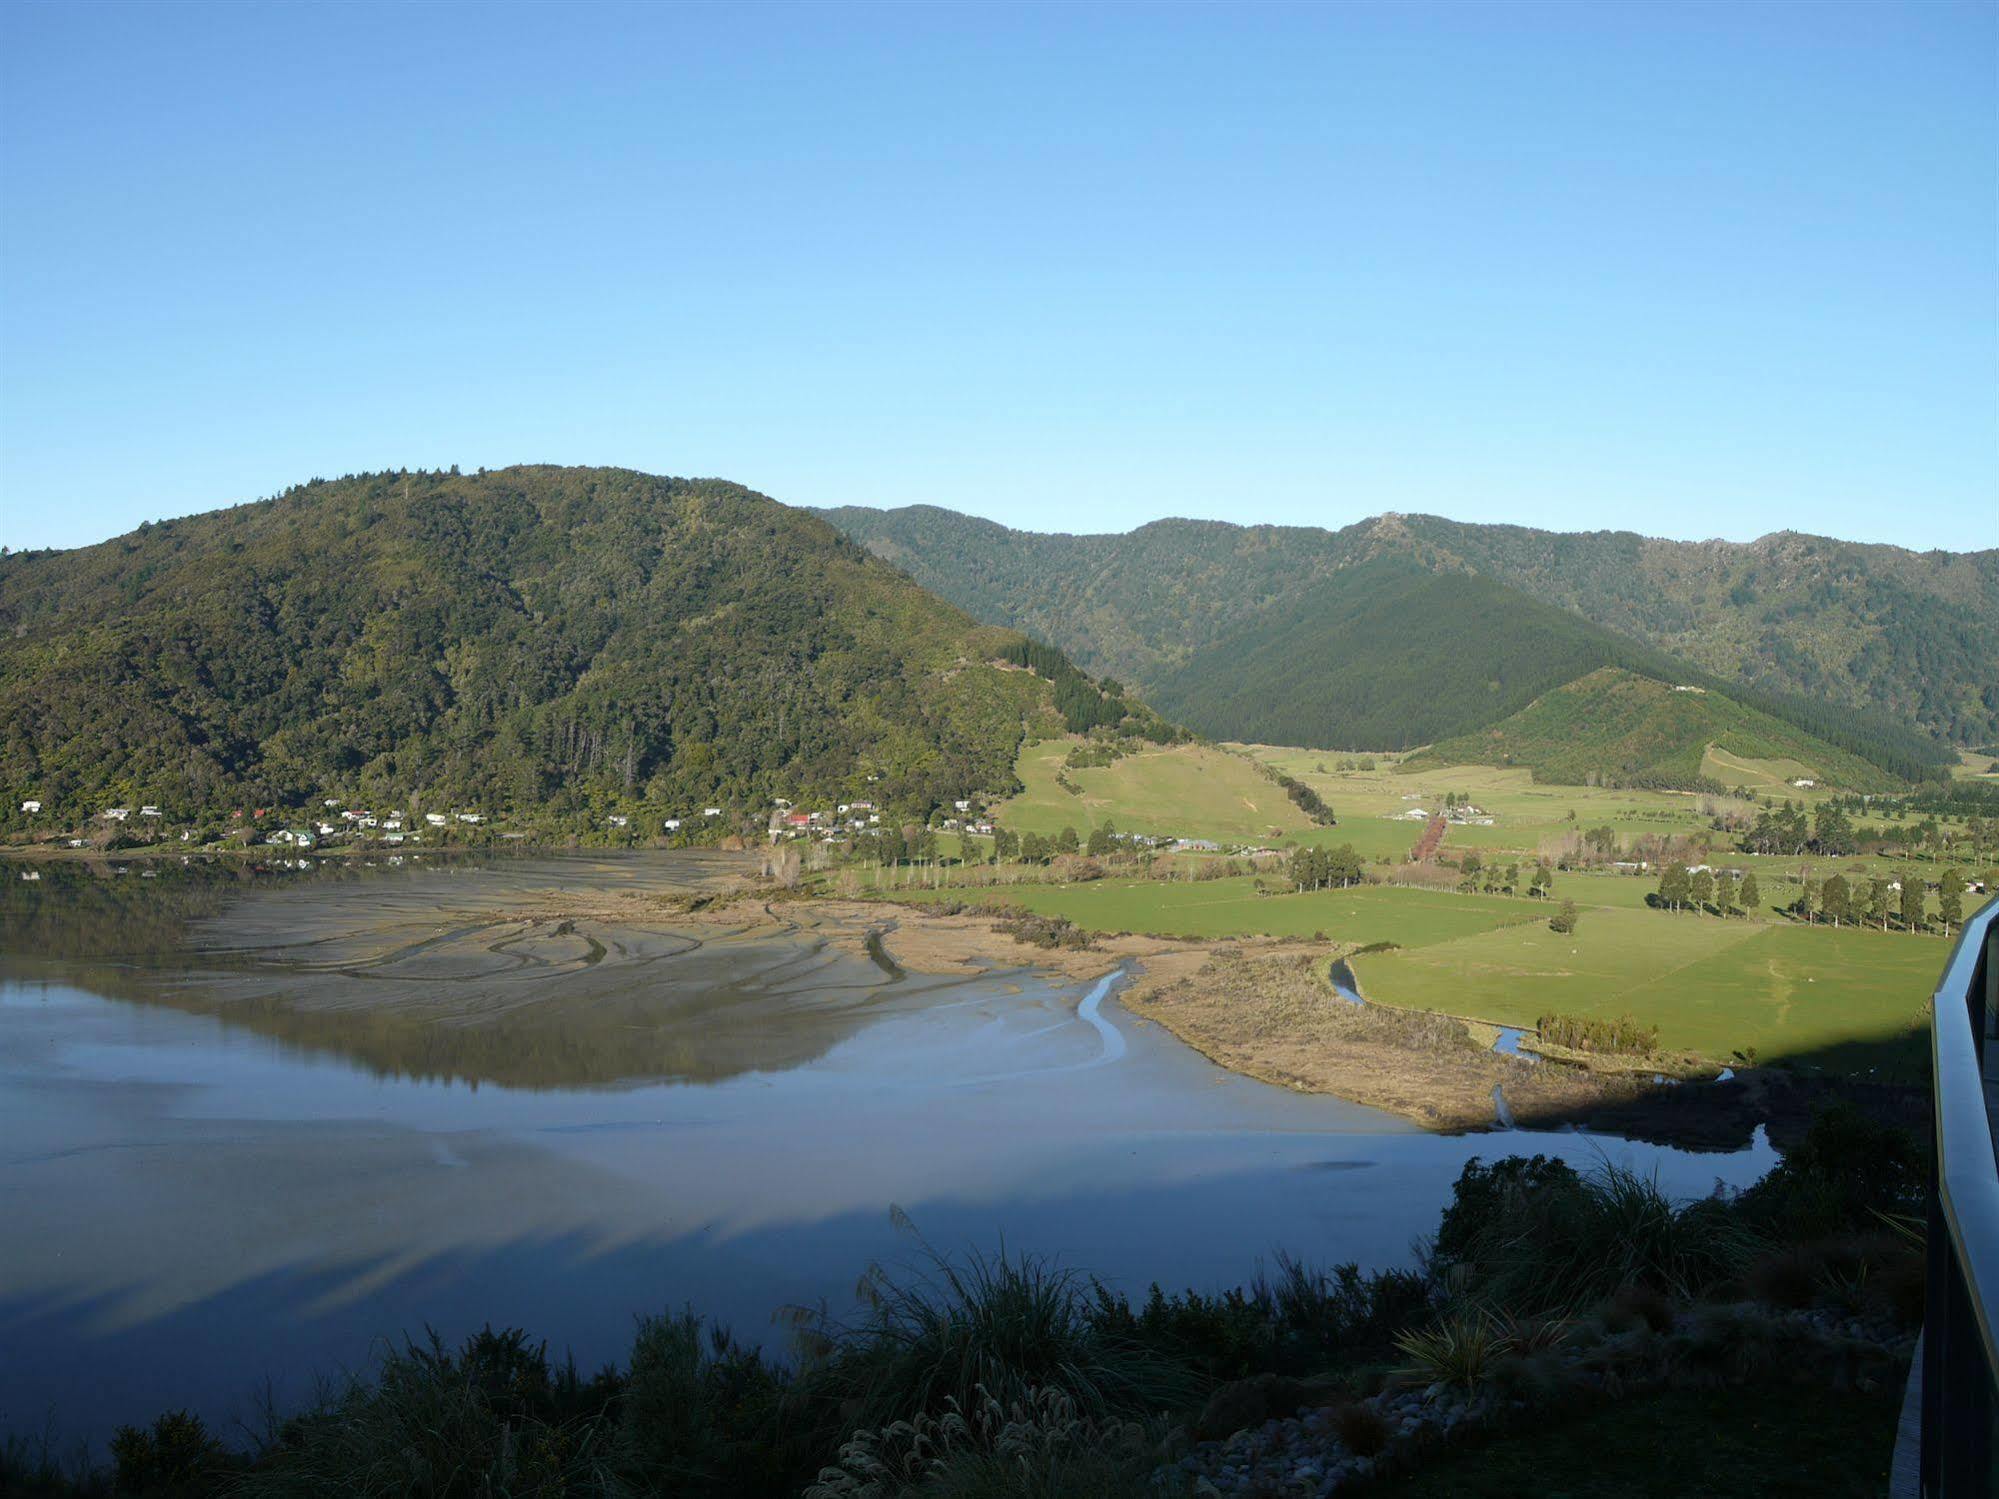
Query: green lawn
{"points": [[1846, 999], [1232, 908]]}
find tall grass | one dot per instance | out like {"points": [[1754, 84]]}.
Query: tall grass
{"points": [[1005, 1325], [1295, 1320], [486, 1418]]}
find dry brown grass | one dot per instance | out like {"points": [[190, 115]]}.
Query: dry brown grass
{"points": [[1274, 1017]]}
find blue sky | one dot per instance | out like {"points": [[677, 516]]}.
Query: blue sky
{"points": [[1696, 270]]}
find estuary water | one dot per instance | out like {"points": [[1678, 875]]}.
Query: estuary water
{"points": [[251, 1125]]}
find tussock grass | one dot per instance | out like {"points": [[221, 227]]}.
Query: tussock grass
{"points": [[1001, 1327], [1039, 1447]]}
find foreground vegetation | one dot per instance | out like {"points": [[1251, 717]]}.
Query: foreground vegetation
{"points": [[1591, 1301]]}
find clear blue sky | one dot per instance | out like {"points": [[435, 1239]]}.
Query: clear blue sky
{"points": [[1697, 270]]}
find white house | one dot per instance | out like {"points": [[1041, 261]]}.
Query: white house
{"points": [[31, 806], [1804, 783], [149, 810], [962, 806], [435, 819], [711, 811], [672, 824], [618, 820], [472, 817], [117, 814]]}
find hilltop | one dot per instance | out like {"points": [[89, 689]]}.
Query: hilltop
{"points": [[1384, 635], [537, 639]]}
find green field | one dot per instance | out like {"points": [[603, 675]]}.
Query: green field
{"points": [[1372, 805], [1189, 791], [1233, 908], [1772, 777], [1847, 999]]}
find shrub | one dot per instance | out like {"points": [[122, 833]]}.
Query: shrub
{"points": [[1039, 1447], [1292, 1323], [174, 1455], [1043, 931], [1459, 1349], [702, 1415], [1847, 1173], [488, 1418], [1481, 1191], [1587, 1033], [1001, 1327], [1641, 1306], [1539, 1237]]}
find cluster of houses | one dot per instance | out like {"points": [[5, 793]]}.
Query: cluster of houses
{"points": [[1463, 814], [333, 822], [848, 818]]}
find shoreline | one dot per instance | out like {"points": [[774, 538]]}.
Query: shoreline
{"points": [[1265, 1009]]}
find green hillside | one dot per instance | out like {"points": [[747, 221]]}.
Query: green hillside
{"points": [[1616, 727], [535, 639], [1387, 655], [1906, 638]]}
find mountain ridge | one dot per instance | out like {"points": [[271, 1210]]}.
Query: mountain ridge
{"points": [[1907, 635]]}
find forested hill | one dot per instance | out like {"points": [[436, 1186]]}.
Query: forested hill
{"points": [[1618, 727], [535, 639], [1385, 654], [1911, 637]]}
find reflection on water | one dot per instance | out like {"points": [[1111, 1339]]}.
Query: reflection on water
{"points": [[249, 1150], [530, 972]]}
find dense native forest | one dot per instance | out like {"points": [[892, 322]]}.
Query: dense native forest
{"points": [[540, 640], [1910, 638]]}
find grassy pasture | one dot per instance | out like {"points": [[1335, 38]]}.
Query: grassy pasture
{"points": [[1771, 777], [1370, 804], [1850, 998], [1189, 791], [1233, 908]]}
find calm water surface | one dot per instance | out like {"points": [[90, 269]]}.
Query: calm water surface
{"points": [[250, 1126]]}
